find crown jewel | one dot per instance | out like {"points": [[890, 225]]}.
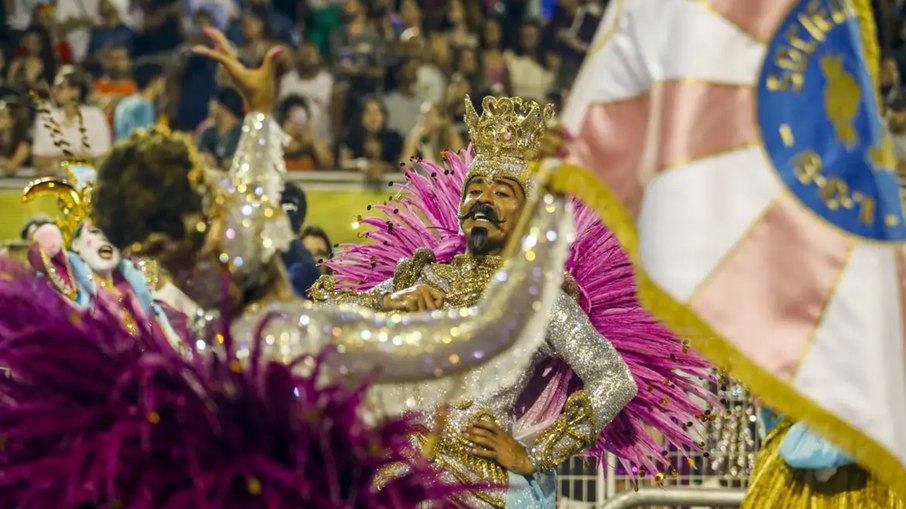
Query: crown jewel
{"points": [[505, 136]]}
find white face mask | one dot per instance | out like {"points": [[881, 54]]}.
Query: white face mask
{"points": [[92, 246]]}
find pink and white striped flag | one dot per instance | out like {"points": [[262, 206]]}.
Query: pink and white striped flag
{"points": [[744, 140]]}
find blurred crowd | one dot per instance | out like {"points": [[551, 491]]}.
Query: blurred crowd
{"points": [[364, 84]]}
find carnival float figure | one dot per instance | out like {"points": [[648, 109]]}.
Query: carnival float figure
{"points": [[448, 225], [76, 258], [254, 417]]}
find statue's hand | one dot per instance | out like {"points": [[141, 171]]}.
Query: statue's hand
{"points": [[255, 85], [416, 298], [495, 444]]}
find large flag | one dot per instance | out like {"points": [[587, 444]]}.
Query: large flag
{"points": [[743, 140]]}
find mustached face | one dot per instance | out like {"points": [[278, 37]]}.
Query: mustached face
{"points": [[488, 213], [92, 246]]}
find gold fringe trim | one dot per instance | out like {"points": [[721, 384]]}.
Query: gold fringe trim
{"points": [[775, 484], [870, 47], [574, 180]]}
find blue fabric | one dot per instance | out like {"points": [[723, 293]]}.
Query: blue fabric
{"points": [[537, 491], [139, 284], [131, 114], [803, 448], [302, 269], [82, 274]]}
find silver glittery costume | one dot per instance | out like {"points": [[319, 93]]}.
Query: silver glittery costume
{"points": [[495, 386], [506, 137], [418, 359]]}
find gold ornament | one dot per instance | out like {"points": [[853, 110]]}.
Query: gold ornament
{"points": [[505, 137]]}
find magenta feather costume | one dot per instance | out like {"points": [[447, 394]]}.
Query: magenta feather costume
{"points": [[670, 378], [93, 417]]}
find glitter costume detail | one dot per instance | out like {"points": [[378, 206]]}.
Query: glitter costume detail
{"points": [[255, 227], [425, 214], [433, 357], [493, 388], [570, 434]]}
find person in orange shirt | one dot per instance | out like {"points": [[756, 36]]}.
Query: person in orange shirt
{"points": [[117, 82]]}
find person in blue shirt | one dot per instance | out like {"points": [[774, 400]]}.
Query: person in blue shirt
{"points": [[299, 262], [137, 111]]}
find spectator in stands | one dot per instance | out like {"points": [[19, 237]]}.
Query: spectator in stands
{"points": [[15, 145], [369, 145], [257, 36], [896, 125], [305, 151], [111, 31], [161, 27], [116, 83], [318, 244], [569, 33], [529, 77], [458, 28], [220, 12], [323, 17], [33, 65], [468, 65], [494, 67], [433, 134], [410, 16], [138, 110], [459, 88], [299, 262], [311, 80], [890, 75], [83, 129], [359, 54], [75, 19], [278, 25], [217, 143], [405, 101], [432, 75]]}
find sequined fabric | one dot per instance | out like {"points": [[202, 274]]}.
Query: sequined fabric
{"points": [[426, 359], [255, 226], [608, 386]]}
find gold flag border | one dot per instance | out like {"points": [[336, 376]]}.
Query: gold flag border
{"points": [[575, 180]]}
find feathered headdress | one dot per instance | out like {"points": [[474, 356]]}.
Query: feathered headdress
{"points": [[669, 376]]}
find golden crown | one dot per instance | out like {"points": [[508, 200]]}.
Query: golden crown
{"points": [[506, 136]]}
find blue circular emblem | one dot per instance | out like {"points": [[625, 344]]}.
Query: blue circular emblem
{"points": [[821, 126]]}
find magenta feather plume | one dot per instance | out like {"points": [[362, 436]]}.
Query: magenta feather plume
{"points": [[422, 214], [93, 417], [669, 376]]}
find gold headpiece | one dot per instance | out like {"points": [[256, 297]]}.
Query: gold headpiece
{"points": [[73, 196], [506, 137]]}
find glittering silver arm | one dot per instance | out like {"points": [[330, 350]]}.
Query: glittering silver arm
{"points": [[608, 386], [431, 352]]}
